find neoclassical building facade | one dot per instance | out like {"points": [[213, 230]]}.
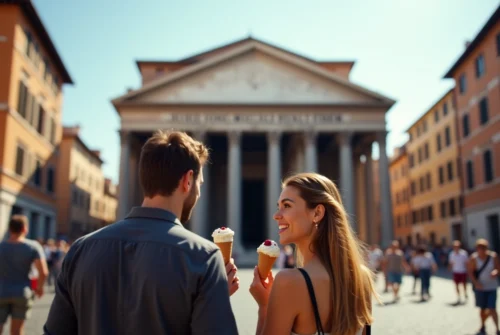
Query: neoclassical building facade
{"points": [[265, 113]]}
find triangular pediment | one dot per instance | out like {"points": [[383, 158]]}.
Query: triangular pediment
{"points": [[254, 75]]}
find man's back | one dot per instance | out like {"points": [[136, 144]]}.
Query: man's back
{"points": [[394, 261], [16, 259], [143, 275]]}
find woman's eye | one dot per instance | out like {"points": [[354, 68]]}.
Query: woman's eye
{"points": [[286, 205]]}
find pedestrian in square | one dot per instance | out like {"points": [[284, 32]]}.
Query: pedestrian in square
{"points": [[17, 257], [484, 269]]}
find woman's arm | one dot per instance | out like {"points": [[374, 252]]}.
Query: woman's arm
{"points": [[278, 315], [282, 308]]}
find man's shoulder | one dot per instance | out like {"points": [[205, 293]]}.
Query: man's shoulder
{"points": [[176, 237], [192, 243]]}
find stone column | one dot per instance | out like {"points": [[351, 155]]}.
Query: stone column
{"points": [[123, 196], [273, 181], [385, 192], [310, 151], [199, 220], [369, 197], [234, 189], [346, 175]]}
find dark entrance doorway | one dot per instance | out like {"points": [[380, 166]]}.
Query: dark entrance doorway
{"points": [[456, 232], [253, 216]]}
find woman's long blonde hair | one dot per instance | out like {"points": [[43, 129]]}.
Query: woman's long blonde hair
{"points": [[340, 253]]}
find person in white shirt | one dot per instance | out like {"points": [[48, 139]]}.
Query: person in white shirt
{"points": [[424, 263], [375, 256], [458, 265]]}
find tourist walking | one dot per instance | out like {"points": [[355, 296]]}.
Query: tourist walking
{"points": [[484, 269], [457, 263], [17, 256]]}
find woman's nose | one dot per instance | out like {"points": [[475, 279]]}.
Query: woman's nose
{"points": [[277, 215]]}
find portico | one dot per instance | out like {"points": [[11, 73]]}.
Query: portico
{"points": [[265, 113]]}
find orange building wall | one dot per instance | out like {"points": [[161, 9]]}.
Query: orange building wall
{"points": [[16, 66], [400, 194], [438, 227], [483, 200]]}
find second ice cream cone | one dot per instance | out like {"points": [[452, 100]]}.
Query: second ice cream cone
{"points": [[265, 265], [268, 253]]}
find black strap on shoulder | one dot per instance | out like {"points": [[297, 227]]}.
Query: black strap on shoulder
{"points": [[486, 261], [310, 288]]}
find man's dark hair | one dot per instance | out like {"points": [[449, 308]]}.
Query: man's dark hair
{"points": [[165, 158], [17, 224]]}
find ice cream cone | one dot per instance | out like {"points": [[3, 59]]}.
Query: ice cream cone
{"points": [[223, 237], [265, 264], [226, 248]]}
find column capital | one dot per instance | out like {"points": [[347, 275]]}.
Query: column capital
{"points": [[310, 136], [345, 137], [274, 136], [234, 137], [124, 137], [200, 135]]}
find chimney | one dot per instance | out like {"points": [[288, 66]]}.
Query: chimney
{"points": [[467, 43], [74, 130], [129, 89]]}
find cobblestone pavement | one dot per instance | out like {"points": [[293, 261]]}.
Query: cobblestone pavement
{"points": [[408, 316]]}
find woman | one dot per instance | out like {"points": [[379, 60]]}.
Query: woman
{"points": [[311, 216], [423, 263]]}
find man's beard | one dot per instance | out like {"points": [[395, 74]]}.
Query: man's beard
{"points": [[188, 206]]}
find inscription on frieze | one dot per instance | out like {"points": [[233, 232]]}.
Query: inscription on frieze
{"points": [[255, 119]]}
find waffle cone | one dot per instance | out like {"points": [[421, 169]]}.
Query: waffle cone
{"points": [[227, 249], [265, 264]]}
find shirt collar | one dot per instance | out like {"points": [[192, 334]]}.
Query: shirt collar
{"points": [[153, 213]]}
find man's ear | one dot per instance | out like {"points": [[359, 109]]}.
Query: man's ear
{"points": [[187, 181]]}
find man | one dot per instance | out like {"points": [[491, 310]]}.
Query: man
{"points": [[483, 268], [147, 274], [394, 265], [458, 265], [17, 255]]}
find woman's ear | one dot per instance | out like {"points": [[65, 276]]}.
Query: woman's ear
{"points": [[319, 213]]}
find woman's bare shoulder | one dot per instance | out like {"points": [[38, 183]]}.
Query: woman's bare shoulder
{"points": [[288, 277]]}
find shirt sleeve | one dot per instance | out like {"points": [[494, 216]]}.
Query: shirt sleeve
{"points": [[62, 317], [212, 313], [38, 252]]}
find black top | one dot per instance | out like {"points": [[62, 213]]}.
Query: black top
{"points": [[146, 274]]}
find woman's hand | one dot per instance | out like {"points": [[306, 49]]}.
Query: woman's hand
{"points": [[260, 289]]}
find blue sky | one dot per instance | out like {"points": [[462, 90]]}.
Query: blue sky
{"points": [[402, 48]]}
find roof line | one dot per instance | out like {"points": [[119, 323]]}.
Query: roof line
{"points": [[430, 109], [479, 37], [79, 140], [39, 28], [271, 51], [193, 57]]}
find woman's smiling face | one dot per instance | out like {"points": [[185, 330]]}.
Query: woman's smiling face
{"points": [[294, 218]]}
